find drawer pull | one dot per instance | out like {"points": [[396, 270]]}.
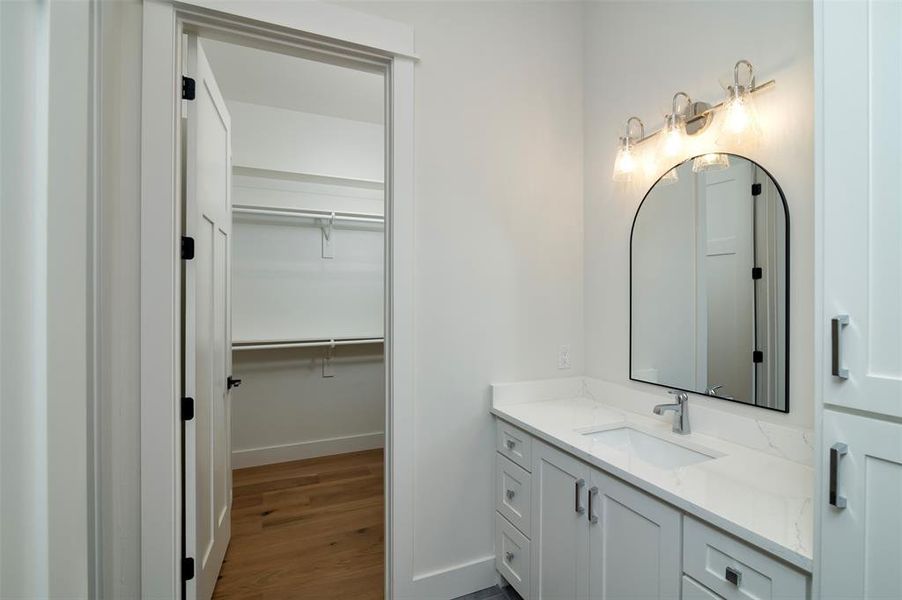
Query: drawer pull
{"points": [[510, 444], [508, 556], [593, 518], [734, 576], [578, 488], [510, 494], [837, 451]]}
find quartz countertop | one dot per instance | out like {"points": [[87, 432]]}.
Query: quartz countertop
{"points": [[762, 499]]}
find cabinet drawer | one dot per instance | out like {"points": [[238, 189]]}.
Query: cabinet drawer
{"points": [[515, 444], [693, 590], [512, 555], [733, 569], [512, 492]]}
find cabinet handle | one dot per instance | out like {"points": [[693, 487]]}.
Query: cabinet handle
{"points": [[508, 556], [734, 576], [836, 326], [578, 487], [593, 518], [837, 451], [510, 444], [510, 494]]}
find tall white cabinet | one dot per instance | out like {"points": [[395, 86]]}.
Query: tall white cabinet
{"points": [[859, 121]]}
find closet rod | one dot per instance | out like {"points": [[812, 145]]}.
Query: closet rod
{"points": [[308, 213], [307, 344]]}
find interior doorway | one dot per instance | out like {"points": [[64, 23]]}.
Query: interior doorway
{"points": [[283, 322]]}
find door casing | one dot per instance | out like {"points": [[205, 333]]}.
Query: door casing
{"points": [[311, 30]]}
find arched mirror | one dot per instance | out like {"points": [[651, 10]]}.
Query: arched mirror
{"points": [[709, 293]]}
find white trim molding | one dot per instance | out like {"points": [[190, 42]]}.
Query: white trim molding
{"points": [[268, 455]]}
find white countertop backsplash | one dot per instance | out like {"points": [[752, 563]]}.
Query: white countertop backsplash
{"points": [[760, 490]]}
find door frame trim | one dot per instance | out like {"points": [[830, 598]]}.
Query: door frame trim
{"points": [[322, 29]]}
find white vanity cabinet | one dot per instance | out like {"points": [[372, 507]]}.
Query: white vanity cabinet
{"points": [[559, 525], [567, 530], [634, 542]]}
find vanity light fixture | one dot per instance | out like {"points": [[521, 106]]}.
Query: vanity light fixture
{"points": [[626, 162], [714, 161], [675, 126], [739, 122], [738, 125]]}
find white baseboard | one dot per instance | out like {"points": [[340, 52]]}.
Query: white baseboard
{"points": [[253, 457], [455, 581]]}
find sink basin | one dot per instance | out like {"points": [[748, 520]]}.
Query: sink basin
{"points": [[648, 448]]}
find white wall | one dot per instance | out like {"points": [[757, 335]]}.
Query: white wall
{"points": [[264, 137], [46, 300], [498, 245], [629, 71]]}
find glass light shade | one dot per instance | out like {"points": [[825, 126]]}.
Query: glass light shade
{"points": [[739, 119], [674, 136], [710, 162], [669, 177], [625, 164]]}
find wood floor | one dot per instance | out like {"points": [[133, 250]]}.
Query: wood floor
{"points": [[307, 529]]}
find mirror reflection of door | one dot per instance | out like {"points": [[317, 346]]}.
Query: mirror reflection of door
{"points": [[725, 209]]}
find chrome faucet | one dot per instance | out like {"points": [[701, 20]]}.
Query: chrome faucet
{"points": [[680, 412], [711, 390]]}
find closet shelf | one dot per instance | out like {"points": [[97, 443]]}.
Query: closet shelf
{"points": [[320, 343], [275, 211]]}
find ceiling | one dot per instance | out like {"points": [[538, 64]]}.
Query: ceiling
{"points": [[260, 77]]}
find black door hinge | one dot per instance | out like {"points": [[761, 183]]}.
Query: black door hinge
{"points": [[187, 568], [757, 356], [187, 408], [757, 273], [187, 247], [756, 189], [188, 86]]}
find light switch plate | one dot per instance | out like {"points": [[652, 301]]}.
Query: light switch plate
{"points": [[563, 357]]}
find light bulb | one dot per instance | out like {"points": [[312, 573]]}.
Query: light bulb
{"points": [[736, 117], [710, 162], [625, 163], [674, 136]]}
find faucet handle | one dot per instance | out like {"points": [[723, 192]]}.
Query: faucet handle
{"points": [[681, 396]]}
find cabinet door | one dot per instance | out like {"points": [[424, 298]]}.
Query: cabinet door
{"points": [[862, 215], [559, 525], [634, 543], [861, 544]]}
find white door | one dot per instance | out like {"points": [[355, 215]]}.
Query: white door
{"points": [[207, 327], [726, 209], [861, 544], [862, 202], [559, 526], [634, 543]]}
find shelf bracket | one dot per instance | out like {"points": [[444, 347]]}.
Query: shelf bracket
{"points": [[328, 251], [327, 359]]}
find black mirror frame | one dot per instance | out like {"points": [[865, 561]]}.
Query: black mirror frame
{"points": [[788, 266]]}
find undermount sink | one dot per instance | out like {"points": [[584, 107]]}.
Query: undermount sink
{"points": [[648, 448]]}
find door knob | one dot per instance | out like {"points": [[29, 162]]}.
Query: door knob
{"points": [[232, 382]]}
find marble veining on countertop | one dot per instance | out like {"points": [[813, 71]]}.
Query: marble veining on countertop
{"points": [[759, 497]]}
